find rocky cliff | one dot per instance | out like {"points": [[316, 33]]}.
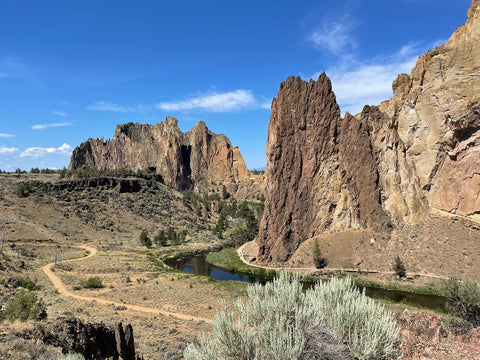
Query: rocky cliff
{"points": [[389, 165], [183, 160]]}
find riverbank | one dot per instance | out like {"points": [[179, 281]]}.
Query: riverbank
{"points": [[230, 260]]}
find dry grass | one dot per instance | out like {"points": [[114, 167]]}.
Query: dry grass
{"points": [[40, 225]]}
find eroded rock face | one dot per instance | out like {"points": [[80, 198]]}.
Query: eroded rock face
{"points": [[182, 159], [92, 340], [388, 165], [321, 170], [437, 112]]}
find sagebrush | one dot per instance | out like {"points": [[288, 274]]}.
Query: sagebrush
{"points": [[280, 322], [463, 300]]}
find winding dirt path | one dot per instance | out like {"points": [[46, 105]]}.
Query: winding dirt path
{"points": [[62, 290], [313, 269]]}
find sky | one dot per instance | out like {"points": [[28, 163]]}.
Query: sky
{"points": [[71, 70]]}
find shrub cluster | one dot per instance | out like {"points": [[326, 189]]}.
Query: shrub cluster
{"points": [[25, 305], [25, 283], [281, 322], [463, 300], [92, 283]]}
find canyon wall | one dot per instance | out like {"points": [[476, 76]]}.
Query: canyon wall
{"points": [[387, 166], [184, 160]]}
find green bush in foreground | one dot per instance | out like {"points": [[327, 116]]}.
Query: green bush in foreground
{"points": [[92, 283], [463, 300], [280, 322], [25, 306]]}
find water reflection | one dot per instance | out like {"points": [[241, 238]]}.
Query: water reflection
{"points": [[197, 264]]}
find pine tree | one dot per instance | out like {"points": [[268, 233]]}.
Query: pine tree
{"points": [[318, 259], [144, 239], [399, 267], [160, 238]]}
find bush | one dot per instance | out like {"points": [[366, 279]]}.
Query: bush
{"points": [[281, 322], [144, 239], [463, 300], [22, 189], [399, 267], [25, 283], [92, 283], [25, 306], [160, 238], [319, 260]]}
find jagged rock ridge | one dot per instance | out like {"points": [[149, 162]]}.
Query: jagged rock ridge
{"points": [[387, 166], [91, 340], [183, 160]]}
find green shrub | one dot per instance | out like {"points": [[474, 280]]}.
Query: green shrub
{"points": [[160, 238], [281, 322], [25, 306], [144, 239], [22, 189], [25, 283], [92, 283], [399, 267], [319, 260], [463, 299]]}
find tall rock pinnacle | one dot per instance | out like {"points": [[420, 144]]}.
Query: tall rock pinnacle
{"points": [[387, 166]]}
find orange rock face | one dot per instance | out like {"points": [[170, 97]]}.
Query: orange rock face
{"points": [[184, 160], [389, 165]]}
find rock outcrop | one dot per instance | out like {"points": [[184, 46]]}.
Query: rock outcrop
{"points": [[92, 340], [388, 165], [184, 160], [436, 110]]}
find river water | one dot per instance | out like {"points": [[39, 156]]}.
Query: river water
{"points": [[197, 264]]}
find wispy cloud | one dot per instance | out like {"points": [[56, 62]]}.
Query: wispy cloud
{"points": [[266, 105], [4, 150], [2, 135], [369, 83], [11, 67], [58, 113], [110, 106], [334, 37], [46, 126], [39, 152], [214, 102]]}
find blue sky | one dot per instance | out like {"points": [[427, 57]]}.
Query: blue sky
{"points": [[70, 70]]}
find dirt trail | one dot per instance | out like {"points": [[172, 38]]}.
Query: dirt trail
{"points": [[62, 289], [313, 269]]}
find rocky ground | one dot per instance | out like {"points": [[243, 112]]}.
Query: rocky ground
{"points": [[172, 308], [48, 224]]}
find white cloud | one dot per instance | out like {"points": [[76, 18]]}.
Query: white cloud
{"points": [[357, 84], [46, 126], [334, 37], [266, 105], [213, 102], [58, 113], [2, 135], [109, 106], [4, 150], [39, 152]]}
